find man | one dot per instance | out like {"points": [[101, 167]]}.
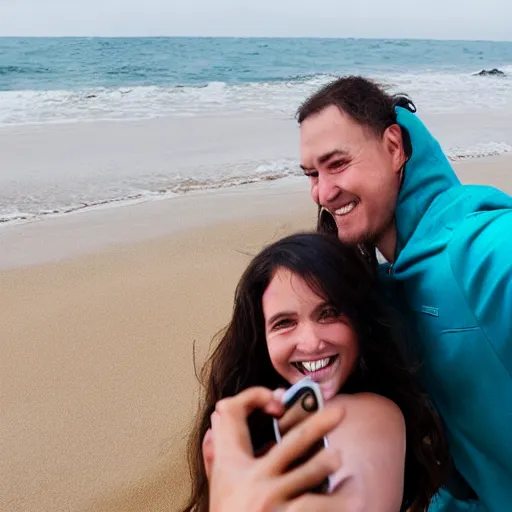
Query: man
{"points": [[376, 169]]}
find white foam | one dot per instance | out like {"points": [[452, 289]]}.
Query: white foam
{"points": [[432, 91], [212, 137], [13, 216], [479, 150], [454, 93], [507, 69]]}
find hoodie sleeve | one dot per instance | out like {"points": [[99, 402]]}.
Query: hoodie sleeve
{"points": [[481, 260], [480, 253]]}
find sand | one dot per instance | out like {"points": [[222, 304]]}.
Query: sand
{"points": [[100, 311], [98, 383]]}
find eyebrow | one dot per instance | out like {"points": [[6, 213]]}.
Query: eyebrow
{"points": [[327, 156]]}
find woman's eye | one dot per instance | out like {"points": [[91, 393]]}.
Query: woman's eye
{"points": [[282, 324]]}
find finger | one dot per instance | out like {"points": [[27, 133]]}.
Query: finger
{"points": [[309, 502], [279, 393], [300, 438], [208, 453], [231, 429], [276, 406], [308, 475], [245, 402]]}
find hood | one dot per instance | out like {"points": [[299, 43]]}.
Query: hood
{"points": [[427, 174]]}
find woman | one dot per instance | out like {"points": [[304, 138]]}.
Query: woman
{"points": [[308, 305]]}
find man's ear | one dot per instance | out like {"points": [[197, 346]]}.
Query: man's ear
{"points": [[394, 144]]}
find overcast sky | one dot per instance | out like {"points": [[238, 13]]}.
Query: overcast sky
{"points": [[443, 19]]}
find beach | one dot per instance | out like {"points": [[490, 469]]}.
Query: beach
{"points": [[98, 334], [98, 381], [138, 176]]}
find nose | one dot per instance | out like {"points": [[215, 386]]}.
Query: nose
{"points": [[327, 190], [308, 339]]}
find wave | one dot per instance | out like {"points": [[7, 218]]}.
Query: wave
{"points": [[23, 70], [479, 151], [432, 92], [506, 69], [179, 186]]}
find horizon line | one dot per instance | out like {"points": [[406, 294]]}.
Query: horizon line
{"points": [[82, 36]]}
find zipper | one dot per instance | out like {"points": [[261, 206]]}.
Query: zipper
{"points": [[390, 269]]}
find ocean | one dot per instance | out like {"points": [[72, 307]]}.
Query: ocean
{"points": [[195, 88]]}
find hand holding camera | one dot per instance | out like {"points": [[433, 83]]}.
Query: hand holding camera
{"points": [[296, 464]]}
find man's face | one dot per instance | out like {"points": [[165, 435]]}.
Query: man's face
{"points": [[353, 173]]}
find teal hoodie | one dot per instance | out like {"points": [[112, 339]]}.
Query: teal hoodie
{"points": [[453, 274]]}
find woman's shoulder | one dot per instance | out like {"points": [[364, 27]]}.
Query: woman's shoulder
{"points": [[372, 440], [374, 411]]}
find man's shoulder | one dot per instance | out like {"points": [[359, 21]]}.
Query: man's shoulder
{"points": [[479, 232], [457, 204], [459, 216]]}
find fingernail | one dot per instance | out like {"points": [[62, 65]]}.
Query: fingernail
{"points": [[278, 394]]}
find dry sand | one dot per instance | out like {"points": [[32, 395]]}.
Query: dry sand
{"points": [[99, 314], [98, 382]]}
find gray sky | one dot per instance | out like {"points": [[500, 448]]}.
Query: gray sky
{"points": [[443, 19]]}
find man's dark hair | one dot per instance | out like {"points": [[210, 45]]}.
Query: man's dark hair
{"points": [[364, 100]]}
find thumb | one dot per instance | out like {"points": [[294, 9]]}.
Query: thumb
{"points": [[309, 502]]}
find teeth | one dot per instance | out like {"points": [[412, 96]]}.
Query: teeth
{"points": [[314, 366], [345, 209]]}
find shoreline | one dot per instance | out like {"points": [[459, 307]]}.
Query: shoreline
{"points": [[91, 165], [100, 229], [107, 226], [188, 187]]}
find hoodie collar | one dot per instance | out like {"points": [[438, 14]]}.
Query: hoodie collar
{"points": [[427, 174]]}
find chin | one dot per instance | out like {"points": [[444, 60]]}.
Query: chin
{"points": [[351, 233], [351, 238]]}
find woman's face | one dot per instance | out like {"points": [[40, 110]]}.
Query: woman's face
{"points": [[306, 335]]}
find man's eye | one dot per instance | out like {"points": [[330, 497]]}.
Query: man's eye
{"points": [[329, 313], [312, 174], [337, 164]]}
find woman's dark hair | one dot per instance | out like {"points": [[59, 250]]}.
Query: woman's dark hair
{"points": [[341, 275]]}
